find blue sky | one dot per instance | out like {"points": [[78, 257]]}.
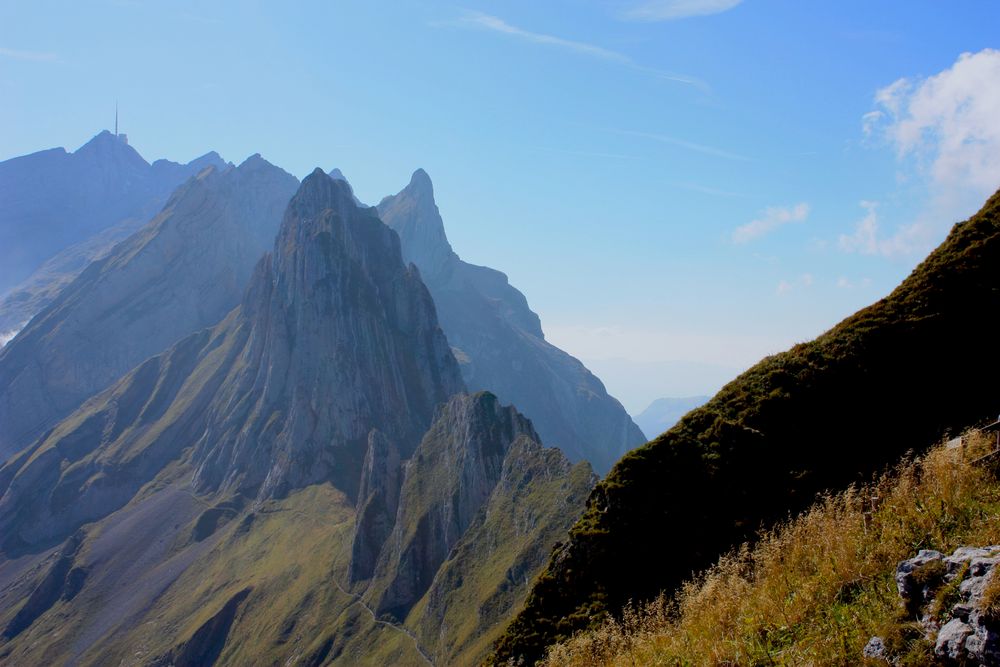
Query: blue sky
{"points": [[679, 186]]}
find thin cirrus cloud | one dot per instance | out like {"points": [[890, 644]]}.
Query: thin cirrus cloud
{"points": [[482, 21], [772, 218], [669, 10], [682, 143], [28, 56]]}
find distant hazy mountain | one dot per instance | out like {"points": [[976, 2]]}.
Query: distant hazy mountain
{"points": [[665, 412], [264, 490], [59, 211], [499, 342], [183, 271]]}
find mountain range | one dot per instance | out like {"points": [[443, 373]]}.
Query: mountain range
{"points": [[307, 476], [271, 424]]}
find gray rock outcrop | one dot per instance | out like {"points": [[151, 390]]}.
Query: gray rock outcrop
{"points": [[967, 631]]}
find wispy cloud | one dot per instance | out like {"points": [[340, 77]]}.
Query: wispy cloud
{"points": [[29, 56], [496, 24], [772, 218], [682, 143], [867, 239], [482, 21], [669, 10]]}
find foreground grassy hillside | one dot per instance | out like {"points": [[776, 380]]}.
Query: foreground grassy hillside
{"points": [[815, 589], [820, 416]]}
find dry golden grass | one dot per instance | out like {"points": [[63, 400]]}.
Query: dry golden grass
{"points": [[816, 588]]}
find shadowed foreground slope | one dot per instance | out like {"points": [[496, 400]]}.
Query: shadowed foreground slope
{"points": [[819, 416]]}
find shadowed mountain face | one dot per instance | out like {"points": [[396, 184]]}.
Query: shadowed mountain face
{"points": [[66, 209], [216, 504], [499, 340], [820, 416], [181, 272]]}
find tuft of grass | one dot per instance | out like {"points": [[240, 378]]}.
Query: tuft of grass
{"points": [[815, 588]]}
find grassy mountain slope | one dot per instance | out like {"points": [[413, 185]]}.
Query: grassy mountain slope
{"points": [[815, 589], [819, 416]]}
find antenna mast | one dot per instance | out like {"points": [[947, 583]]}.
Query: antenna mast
{"points": [[116, 118]]}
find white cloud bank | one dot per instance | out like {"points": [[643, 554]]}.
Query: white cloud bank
{"points": [[773, 218], [669, 10], [945, 129]]}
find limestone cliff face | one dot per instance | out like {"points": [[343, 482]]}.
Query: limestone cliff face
{"points": [[181, 272], [500, 340], [342, 338], [449, 478]]}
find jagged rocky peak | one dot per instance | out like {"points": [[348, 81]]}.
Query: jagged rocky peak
{"points": [[501, 343], [337, 175], [414, 215], [342, 338], [446, 482]]}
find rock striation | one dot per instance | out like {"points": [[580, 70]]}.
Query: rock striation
{"points": [[500, 343], [181, 272]]}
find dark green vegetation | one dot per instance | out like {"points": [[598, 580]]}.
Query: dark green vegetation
{"points": [[820, 416]]}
